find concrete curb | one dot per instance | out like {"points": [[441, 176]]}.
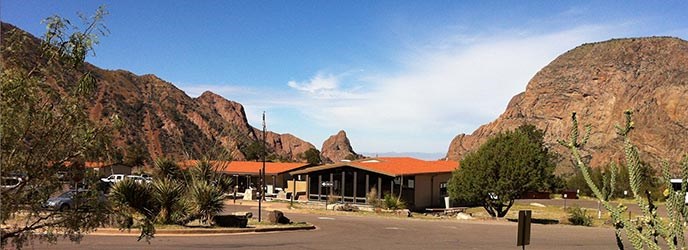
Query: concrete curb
{"points": [[196, 232]]}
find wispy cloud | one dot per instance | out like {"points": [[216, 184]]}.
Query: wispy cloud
{"points": [[446, 87], [441, 90]]}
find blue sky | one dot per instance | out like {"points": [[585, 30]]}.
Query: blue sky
{"points": [[397, 76]]}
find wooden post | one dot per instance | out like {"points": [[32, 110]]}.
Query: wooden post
{"points": [[308, 187], [343, 174], [379, 187], [331, 181], [355, 184], [319, 186], [293, 192], [391, 187]]}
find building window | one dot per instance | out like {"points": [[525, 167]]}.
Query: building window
{"points": [[443, 189], [411, 183]]}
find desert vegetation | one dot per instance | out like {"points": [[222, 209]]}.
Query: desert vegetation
{"points": [[504, 167], [649, 228]]}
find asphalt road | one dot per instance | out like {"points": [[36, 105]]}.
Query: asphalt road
{"points": [[369, 232]]}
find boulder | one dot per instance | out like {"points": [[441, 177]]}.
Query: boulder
{"points": [[230, 220], [277, 217]]}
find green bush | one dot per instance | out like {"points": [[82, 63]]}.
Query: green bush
{"points": [[577, 216], [393, 203]]}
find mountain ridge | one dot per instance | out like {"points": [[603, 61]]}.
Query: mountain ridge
{"points": [[159, 118], [600, 81]]}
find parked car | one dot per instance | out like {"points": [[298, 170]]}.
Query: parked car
{"points": [[113, 178], [147, 177], [67, 200], [138, 178]]}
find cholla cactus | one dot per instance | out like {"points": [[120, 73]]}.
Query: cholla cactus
{"points": [[649, 227]]}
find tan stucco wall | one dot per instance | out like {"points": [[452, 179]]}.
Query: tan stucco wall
{"points": [[423, 185]]}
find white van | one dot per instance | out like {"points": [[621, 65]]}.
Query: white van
{"points": [[113, 178], [676, 186]]}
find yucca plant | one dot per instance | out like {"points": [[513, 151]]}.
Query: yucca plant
{"points": [[648, 228], [133, 202], [205, 200], [167, 194], [167, 168]]}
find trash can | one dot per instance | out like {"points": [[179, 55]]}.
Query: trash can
{"points": [[447, 204]]}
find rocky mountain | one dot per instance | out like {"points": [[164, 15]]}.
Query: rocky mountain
{"points": [[337, 148], [599, 81], [159, 118]]}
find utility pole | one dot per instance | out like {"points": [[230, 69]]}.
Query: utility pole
{"points": [[261, 174]]}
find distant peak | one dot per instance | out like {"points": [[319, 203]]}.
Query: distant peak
{"points": [[209, 93]]}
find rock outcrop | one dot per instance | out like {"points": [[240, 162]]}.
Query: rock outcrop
{"points": [[159, 118], [599, 81], [337, 148]]}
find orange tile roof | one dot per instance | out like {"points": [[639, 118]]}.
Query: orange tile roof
{"points": [[392, 166], [249, 167]]}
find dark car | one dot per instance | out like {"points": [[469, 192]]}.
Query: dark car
{"points": [[68, 200]]}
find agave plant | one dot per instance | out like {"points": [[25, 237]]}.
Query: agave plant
{"points": [[205, 200]]}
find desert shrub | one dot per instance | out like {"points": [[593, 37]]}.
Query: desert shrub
{"points": [[372, 199], [393, 203], [332, 198], [205, 200], [577, 216]]}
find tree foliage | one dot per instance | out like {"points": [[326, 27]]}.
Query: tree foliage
{"points": [[44, 130], [254, 151], [504, 167], [312, 156]]}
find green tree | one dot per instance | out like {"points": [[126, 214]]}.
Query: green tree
{"points": [[254, 151], [504, 167], [44, 128], [312, 156]]}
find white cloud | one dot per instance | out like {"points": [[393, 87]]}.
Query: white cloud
{"points": [[445, 87], [442, 89]]}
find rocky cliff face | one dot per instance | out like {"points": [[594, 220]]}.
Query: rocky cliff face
{"points": [[599, 81], [160, 118], [337, 148]]}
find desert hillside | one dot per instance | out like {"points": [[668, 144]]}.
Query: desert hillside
{"points": [[160, 119], [599, 81]]}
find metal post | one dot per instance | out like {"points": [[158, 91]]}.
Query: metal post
{"points": [[262, 173], [236, 186], [259, 200]]}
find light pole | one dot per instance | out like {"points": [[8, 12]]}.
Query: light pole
{"points": [[261, 174]]}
